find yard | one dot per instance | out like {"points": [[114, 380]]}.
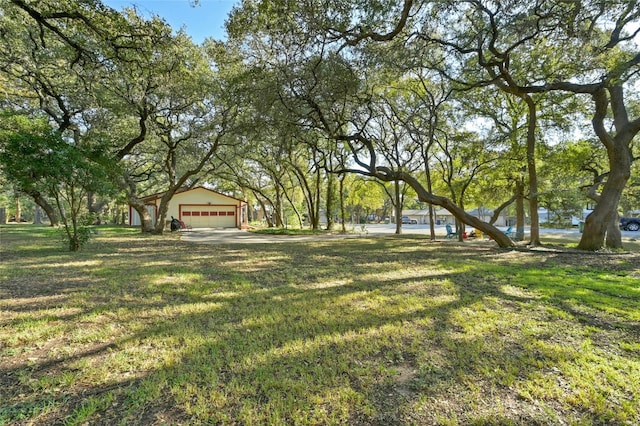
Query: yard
{"points": [[367, 331]]}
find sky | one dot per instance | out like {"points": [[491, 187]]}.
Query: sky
{"points": [[201, 21]]}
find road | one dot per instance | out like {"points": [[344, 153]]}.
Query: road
{"points": [[440, 230], [230, 236]]}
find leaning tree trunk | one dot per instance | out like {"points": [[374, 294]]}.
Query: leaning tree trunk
{"points": [[48, 208], [386, 174], [268, 218], [128, 185], [498, 210], [146, 223]]}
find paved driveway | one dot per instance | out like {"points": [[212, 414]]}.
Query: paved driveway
{"points": [[237, 236]]}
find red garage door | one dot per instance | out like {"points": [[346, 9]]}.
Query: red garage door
{"points": [[209, 216]]}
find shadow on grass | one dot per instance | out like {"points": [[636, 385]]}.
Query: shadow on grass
{"points": [[384, 331]]}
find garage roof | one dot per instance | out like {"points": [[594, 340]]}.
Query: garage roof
{"points": [[159, 195]]}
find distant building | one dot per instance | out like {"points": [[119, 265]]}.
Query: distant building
{"points": [[199, 208]]}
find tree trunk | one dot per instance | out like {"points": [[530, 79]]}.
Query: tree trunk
{"points": [[330, 201], [343, 213], [128, 185], [311, 195], [146, 223], [398, 207], [533, 175], [18, 207], [460, 228], [316, 196], [44, 204], [519, 210], [292, 204], [500, 238], [614, 236], [95, 207], [37, 216], [496, 213], [268, 218], [163, 209], [601, 226], [432, 227], [277, 210]]}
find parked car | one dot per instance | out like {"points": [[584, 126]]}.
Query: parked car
{"points": [[630, 223], [408, 220]]}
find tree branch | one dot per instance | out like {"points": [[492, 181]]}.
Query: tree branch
{"points": [[353, 37]]}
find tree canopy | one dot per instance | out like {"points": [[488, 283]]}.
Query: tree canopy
{"points": [[469, 103]]}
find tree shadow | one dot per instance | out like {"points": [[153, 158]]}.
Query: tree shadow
{"points": [[313, 328]]}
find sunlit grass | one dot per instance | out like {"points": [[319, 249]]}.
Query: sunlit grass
{"points": [[392, 330]]}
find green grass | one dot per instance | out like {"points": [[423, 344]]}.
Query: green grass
{"points": [[391, 330]]}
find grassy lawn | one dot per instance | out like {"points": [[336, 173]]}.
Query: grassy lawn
{"points": [[363, 331]]}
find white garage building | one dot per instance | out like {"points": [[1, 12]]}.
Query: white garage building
{"points": [[198, 207]]}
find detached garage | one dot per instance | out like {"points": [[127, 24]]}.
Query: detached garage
{"points": [[199, 208]]}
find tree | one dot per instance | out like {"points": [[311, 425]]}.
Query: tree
{"points": [[298, 158], [59, 67], [23, 171], [129, 88], [190, 118], [397, 148], [362, 197], [516, 44], [326, 85], [461, 158], [424, 122], [36, 157]]}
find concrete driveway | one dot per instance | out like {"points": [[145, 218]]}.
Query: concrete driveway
{"points": [[237, 236]]}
